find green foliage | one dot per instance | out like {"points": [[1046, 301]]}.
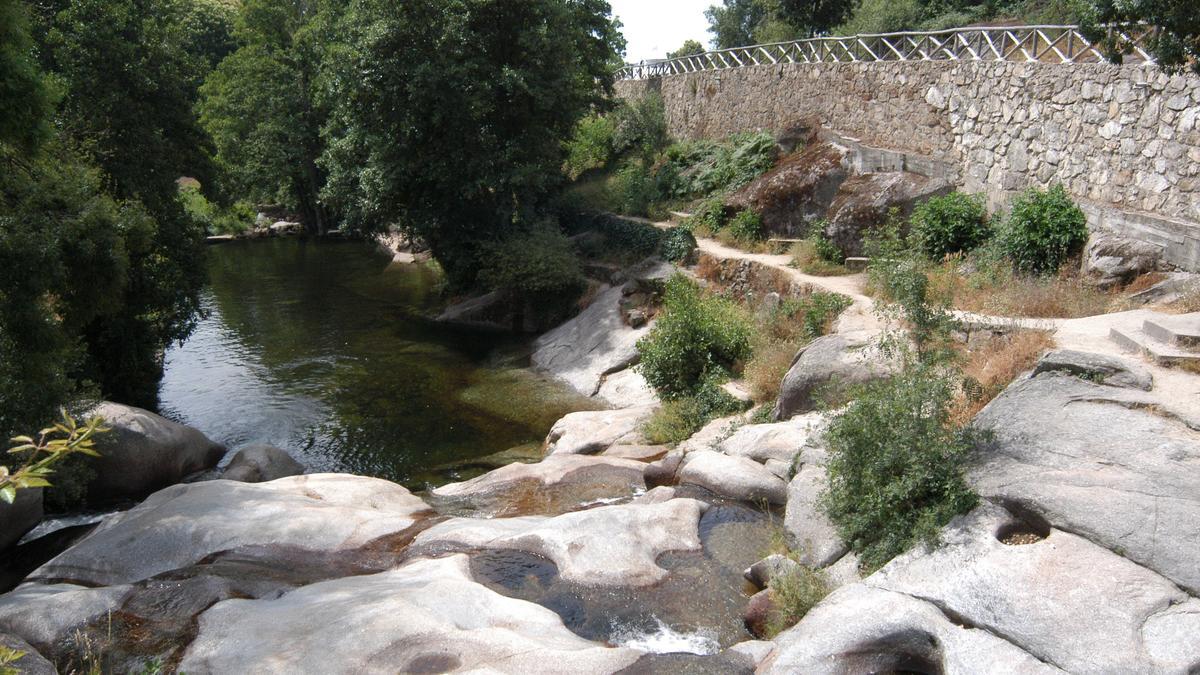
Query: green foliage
{"points": [[746, 227], [678, 419], [709, 216], [678, 245], [698, 336], [736, 23], [1176, 45], [888, 16], [641, 127], [805, 318], [1043, 230], [688, 48], [591, 146], [539, 267], [40, 455], [793, 594], [949, 224], [706, 167], [415, 85], [635, 238], [896, 465], [826, 249], [215, 218], [26, 97], [635, 189], [9, 656]]}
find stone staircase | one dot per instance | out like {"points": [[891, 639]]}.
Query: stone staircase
{"points": [[1165, 339]]}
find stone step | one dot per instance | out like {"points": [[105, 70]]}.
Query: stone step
{"points": [[1178, 331], [1136, 340]]}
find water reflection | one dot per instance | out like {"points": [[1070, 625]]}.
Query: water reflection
{"points": [[321, 348]]}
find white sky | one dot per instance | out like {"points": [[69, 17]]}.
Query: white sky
{"points": [[654, 27]]}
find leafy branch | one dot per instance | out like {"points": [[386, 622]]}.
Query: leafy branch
{"points": [[53, 444]]}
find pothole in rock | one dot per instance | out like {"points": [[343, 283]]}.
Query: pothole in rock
{"points": [[696, 610]]}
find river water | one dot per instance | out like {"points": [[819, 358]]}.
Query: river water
{"points": [[323, 348]]}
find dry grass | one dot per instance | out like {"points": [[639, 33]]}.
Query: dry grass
{"points": [[998, 291], [726, 237], [805, 258], [765, 370], [1144, 282], [995, 363]]}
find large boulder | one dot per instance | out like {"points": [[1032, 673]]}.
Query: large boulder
{"points": [[1111, 260], [593, 431], [798, 191], [595, 343], [261, 463], [184, 524], [20, 517], [733, 477], [145, 452], [44, 614], [864, 203], [605, 546], [808, 530], [427, 616], [627, 389], [1098, 368], [556, 484], [1109, 463], [780, 441], [827, 366], [29, 662]]}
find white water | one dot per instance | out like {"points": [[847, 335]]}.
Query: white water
{"points": [[666, 640]]}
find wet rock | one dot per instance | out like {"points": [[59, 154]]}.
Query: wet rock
{"points": [[1107, 463], [556, 484], [30, 662], [594, 431], [1061, 598], [733, 477], [798, 191], [863, 203], [183, 524], [656, 495], [761, 572], [605, 546], [664, 471], [627, 389], [757, 614], [593, 344], [809, 532], [490, 311], [1110, 260], [261, 463], [145, 452], [20, 517], [826, 368], [427, 616], [1099, 368], [43, 614]]}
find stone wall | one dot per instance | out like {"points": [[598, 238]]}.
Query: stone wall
{"points": [[1124, 140]]}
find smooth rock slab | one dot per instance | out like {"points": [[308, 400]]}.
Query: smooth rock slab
{"points": [[593, 431], [1103, 462], [828, 366], [809, 531], [184, 524], [593, 344], [605, 546], [1099, 368], [43, 614], [627, 389], [733, 477], [780, 441], [427, 616], [261, 463], [553, 485]]}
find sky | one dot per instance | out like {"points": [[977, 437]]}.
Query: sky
{"points": [[654, 27]]}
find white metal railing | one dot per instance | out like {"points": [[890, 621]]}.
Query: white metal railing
{"points": [[1045, 44]]}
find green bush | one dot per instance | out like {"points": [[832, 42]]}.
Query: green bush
{"points": [[746, 227], [827, 250], [538, 267], [805, 318], [694, 168], [214, 218], [635, 189], [678, 419], [1043, 230], [633, 238], [641, 127], [949, 224], [697, 336], [678, 245], [895, 465], [709, 217], [591, 146]]}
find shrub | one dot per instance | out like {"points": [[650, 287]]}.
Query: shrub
{"points": [[641, 127], [949, 224], [637, 239], [746, 227], [706, 167], [538, 267], [591, 146], [765, 370], [635, 189], [677, 420], [793, 595], [214, 218], [709, 217], [698, 336], [827, 250], [806, 318], [895, 465], [806, 259], [678, 245], [1043, 230]]}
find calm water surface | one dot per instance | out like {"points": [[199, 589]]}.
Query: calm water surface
{"points": [[322, 348]]}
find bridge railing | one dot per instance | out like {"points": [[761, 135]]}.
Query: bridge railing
{"points": [[1044, 44]]}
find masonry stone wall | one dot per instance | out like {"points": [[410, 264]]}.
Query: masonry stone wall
{"points": [[1124, 140]]}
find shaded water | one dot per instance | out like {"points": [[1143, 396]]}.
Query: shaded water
{"points": [[322, 348]]}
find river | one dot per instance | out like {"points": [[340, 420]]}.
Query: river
{"points": [[324, 348]]}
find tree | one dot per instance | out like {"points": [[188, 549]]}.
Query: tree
{"points": [[26, 99], [1175, 45], [425, 82], [688, 48], [815, 17], [733, 22], [262, 106]]}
